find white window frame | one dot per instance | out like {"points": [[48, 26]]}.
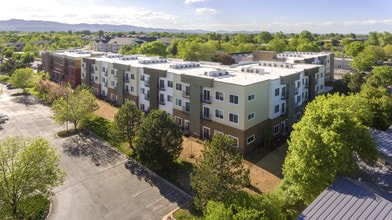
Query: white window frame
{"points": [[250, 139], [235, 139], [223, 114], [276, 131], [234, 114], [276, 110], [223, 97], [252, 97], [178, 102], [252, 114], [238, 99]]}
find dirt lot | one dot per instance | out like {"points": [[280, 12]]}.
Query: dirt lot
{"points": [[265, 172]]}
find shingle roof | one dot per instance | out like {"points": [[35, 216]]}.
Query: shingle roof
{"points": [[346, 199], [384, 142]]}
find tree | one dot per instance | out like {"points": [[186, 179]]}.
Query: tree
{"points": [[158, 141], [263, 37], [27, 57], [8, 51], [324, 144], [219, 172], [29, 168], [277, 44], [362, 61], [24, 78], [376, 92], [153, 48], [354, 48], [126, 121], [74, 107]]}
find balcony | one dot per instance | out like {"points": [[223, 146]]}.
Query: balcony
{"points": [[147, 96], [186, 94], [296, 91], [106, 73], [306, 85], [147, 83], [185, 109], [206, 116], [206, 99], [162, 88], [126, 79], [162, 101]]}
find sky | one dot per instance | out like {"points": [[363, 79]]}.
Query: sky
{"points": [[289, 16]]}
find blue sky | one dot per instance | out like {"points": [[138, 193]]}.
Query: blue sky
{"points": [[337, 16]]}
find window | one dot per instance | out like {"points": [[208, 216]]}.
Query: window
{"points": [[233, 99], [142, 90], [179, 121], [276, 108], [251, 116], [298, 99], [283, 108], [298, 84], [187, 106], [178, 86], [277, 90], [206, 133], [186, 125], [250, 139], [321, 87], [142, 77], [187, 91], [233, 118], [206, 112], [251, 97], [235, 141], [283, 91], [219, 113], [169, 98], [206, 95], [162, 84], [178, 102], [276, 129], [170, 84], [219, 96], [132, 76]]}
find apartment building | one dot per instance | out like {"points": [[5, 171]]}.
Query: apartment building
{"points": [[321, 58], [253, 102], [65, 66]]}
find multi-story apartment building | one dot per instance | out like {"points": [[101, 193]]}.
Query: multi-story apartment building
{"points": [[253, 102], [65, 66], [322, 58]]}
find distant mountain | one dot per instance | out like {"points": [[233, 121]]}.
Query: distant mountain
{"points": [[46, 26]]}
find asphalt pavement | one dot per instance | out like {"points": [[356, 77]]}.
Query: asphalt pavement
{"points": [[100, 182]]}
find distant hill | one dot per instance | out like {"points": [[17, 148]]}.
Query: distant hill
{"points": [[46, 26]]}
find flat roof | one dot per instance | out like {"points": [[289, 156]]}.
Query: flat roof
{"points": [[237, 74]]}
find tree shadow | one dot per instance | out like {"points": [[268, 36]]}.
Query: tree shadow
{"points": [[25, 98], [89, 146], [166, 189]]}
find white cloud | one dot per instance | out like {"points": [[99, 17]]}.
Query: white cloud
{"points": [[193, 1], [205, 11]]}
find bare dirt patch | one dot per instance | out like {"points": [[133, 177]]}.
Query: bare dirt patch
{"points": [[265, 165], [106, 110]]}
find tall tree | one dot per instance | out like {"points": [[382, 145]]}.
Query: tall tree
{"points": [[153, 48], [74, 107], [219, 172], [158, 141], [325, 143], [29, 168], [126, 121], [24, 78], [376, 92]]}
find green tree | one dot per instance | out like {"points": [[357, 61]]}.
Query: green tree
{"points": [[158, 141], [24, 78], [354, 48], [305, 34], [219, 172], [8, 51], [376, 92], [388, 50], [126, 121], [362, 62], [153, 48], [29, 168], [27, 57], [355, 81], [74, 107], [263, 37], [277, 44], [325, 143]]}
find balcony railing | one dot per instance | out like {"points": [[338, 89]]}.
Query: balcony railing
{"points": [[206, 116], [147, 96], [147, 83], [162, 88], [186, 94], [206, 99], [185, 109]]}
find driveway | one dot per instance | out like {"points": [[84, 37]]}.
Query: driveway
{"points": [[98, 185]]}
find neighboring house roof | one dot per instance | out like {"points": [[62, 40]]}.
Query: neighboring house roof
{"points": [[123, 40], [384, 143], [369, 197], [347, 199]]}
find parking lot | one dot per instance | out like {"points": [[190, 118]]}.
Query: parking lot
{"points": [[98, 185]]}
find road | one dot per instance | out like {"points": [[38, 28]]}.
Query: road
{"points": [[98, 185]]}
